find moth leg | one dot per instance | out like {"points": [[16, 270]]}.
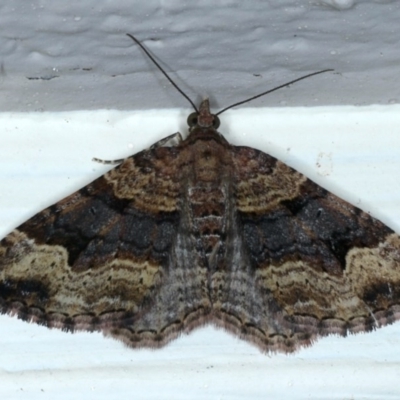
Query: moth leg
{"points": [[101, 161], [169, 141]]}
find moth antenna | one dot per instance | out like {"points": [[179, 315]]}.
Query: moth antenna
{"points": [[162, 70], [273, 90]]}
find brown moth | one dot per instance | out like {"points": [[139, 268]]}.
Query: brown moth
{"points": [[197, 231]]}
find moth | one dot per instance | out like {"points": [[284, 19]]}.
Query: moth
{"points": [[197, 231]]}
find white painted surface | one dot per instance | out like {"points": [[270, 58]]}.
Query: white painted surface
{"points": [[352, 151], [59, 57]]}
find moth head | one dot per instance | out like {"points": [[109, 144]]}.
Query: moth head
{"points": [[193, 121], [203, 117]]}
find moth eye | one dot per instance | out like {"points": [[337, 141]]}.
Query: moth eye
{"points": [[192, 119], [216, 122]]}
